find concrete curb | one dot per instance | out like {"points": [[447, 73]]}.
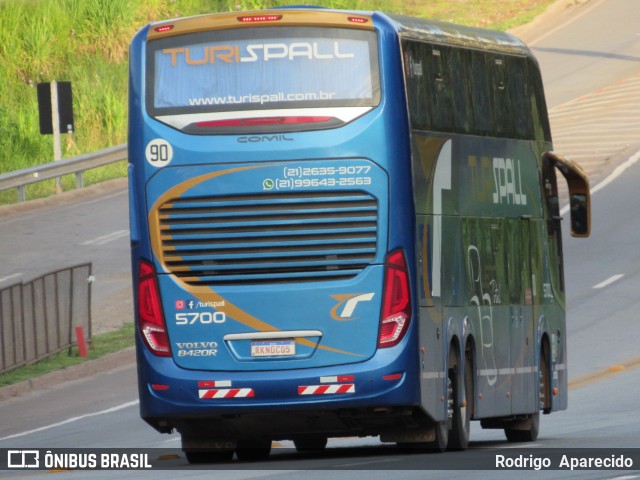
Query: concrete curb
{"points": [[82, 370], [67, 197]]}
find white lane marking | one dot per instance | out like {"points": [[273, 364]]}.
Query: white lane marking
{"points": [[110, 237], [619, 170], [72, 419], [609, 281], [9, 277]]}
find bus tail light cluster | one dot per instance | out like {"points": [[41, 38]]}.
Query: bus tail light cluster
{"points": [[259, 18], [396, 306], [150, 318]]}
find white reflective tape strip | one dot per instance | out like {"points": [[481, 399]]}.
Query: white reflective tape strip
{"points": [[559, 367], [333, 379], [225, 393], [307, 391], [521, 370], [327, 389], [485, 372], [506, 371], [222, 383]]}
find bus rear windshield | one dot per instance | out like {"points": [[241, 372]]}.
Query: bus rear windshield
{"points": [[262, 69]]}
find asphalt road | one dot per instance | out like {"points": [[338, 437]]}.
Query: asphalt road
{"points": [[587, 48]]}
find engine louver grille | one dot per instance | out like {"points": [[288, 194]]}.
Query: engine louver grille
{"points": [[268, 238]]}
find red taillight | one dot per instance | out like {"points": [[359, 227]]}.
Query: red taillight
{"points": [[259, 18], [150, 318], [163, 28], [396, 306], [358, 19]]}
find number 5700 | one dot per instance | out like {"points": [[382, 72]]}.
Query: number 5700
{"points": [[204, 318]]}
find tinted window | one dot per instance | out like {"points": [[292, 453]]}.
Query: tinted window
{"points": [[262, 68], [452, 89]]}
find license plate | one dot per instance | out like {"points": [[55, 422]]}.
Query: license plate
{"points": [[273, 348]]}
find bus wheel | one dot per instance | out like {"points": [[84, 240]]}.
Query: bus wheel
{"points": [[529, 429], [462, 409], [310, 444], [253, 450], [439, 445], [199, 449], [209, 456], [545, 379], [526, 433]]}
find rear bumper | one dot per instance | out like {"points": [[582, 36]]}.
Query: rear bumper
{"points": [[366, 398]]}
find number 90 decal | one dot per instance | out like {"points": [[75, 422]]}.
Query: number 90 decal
{"points": [[204, 318], [159, 153]]}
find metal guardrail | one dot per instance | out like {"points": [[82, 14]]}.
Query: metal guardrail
{"points": [[76, 165], [38, 319]]}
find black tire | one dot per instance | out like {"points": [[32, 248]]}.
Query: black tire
{"points": [[310, 444], [462, 410], [528, 435], [439, 445], [208, 456], [253, 450], [545, 379]]}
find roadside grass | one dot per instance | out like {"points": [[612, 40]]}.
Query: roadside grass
{"points": [[86, 42], [102, 345]]}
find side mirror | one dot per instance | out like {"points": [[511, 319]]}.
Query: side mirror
{"points": [[579, 194], [579, 215]]}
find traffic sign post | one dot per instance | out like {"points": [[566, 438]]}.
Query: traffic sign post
{"points": [[55, 107]]}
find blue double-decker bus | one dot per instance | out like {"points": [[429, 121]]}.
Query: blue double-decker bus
{"points": [[344, 224]]}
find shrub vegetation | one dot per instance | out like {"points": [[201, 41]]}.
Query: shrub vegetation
{"points": [[86, 42]]}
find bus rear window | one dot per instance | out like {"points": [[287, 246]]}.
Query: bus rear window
{"points": [[262, 69]]}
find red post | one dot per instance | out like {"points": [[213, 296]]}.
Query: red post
{"points": [[82, 344]]}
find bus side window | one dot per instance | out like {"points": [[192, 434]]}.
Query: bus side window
{"points": [[480, 83], [441, 96], [538, 106]]}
